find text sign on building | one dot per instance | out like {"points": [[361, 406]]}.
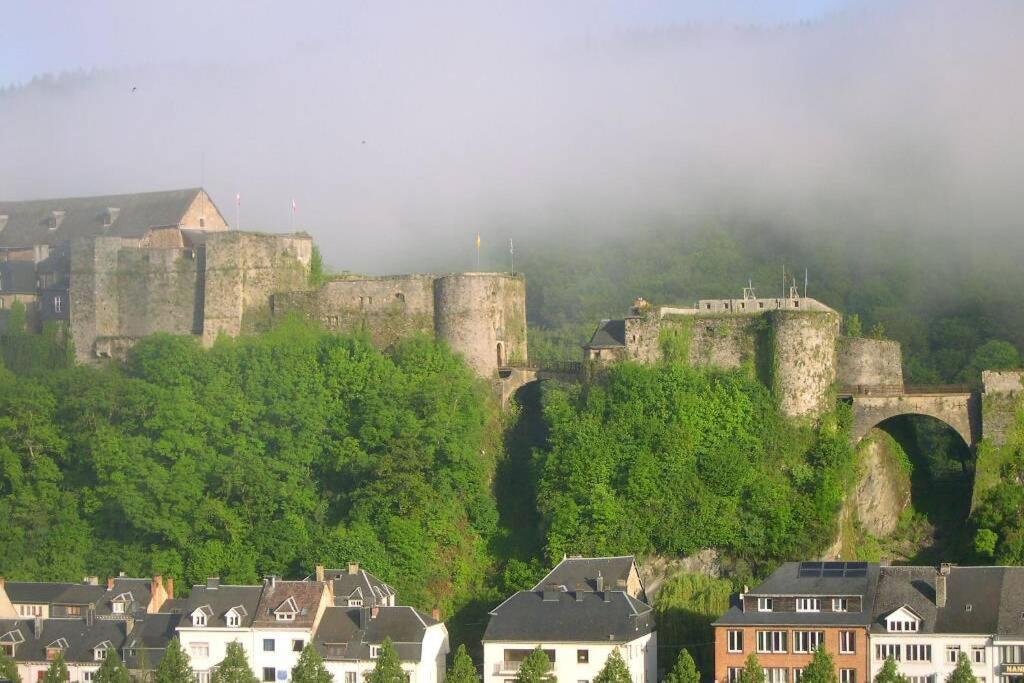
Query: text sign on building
{"points": [[1013, 668]]}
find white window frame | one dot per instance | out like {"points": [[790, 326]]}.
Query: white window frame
{"points": [[775, 674], [199, 619], [807, 641], [840, 604], [374, 651], [847, 676], [808, 605], [202, 676], [918, 652], [847, 642], [952, 654], [199, 649], [735, 641], [87, 676], [772, 642], [884, 651], [733, 673], [978, 654], [765, 605], [233, 620]]}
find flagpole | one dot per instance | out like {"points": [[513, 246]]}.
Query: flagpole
{"points": [[478, 252], [238, 211], [512, 255]]}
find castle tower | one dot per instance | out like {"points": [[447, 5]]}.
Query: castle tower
{"points": [[483, 317], [805, 360]]}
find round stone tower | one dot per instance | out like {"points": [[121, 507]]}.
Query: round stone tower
{"points": [[483, 317], [805, 360]]}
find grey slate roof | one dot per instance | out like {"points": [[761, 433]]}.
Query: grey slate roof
{"points": [[81, 638], [341, 637], [28, 221], [17, 277], [581, 572], [995, 594], [526, 616], [609, 334], [362, 584], [220, 600], [151, 634], [785, 581], [81, 594]]}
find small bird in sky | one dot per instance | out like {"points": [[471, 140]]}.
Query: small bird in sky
{"points": [[133, 88]]}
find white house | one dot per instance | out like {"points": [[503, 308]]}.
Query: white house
{"points": [[350, 638], [925, 618], [213, 616], [577, 627]]}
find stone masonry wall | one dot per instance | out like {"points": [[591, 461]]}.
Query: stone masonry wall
{"points": [[643, 333], [725, 342], [156, 290], [93, 293], [483, 317], [869, 362], [1000, 402], [242, 271], [389, 308], [805, 360]]}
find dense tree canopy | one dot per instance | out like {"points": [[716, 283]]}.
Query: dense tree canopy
{"points": [[262, 455], [669, 459], [388, 668]]}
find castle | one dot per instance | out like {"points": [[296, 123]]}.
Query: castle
{"points": [[117, 268]]}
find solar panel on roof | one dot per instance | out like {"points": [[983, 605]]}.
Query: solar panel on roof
{"points": [[832, 569]]}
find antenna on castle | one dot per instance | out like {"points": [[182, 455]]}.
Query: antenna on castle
{"points": [[805, 283], [748, 291], [783, 280], [512, 255]]}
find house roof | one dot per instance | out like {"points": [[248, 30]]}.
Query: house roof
{"points": [[361, 583], [526, 616], [80, 637], [581, 572], [152, 633], [609, 334], [32, 592], [18, 277], [814, 579], [995, 596], [28, 222], [299, 597], [341, 636], [219, 600]]}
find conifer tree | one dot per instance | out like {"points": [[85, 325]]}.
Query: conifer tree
{"points": [[821, 669], [614, 670], [889, 673], [234, 668], [463, 670], [536, 668], [962, 673], [310, 667], [112, 670], [752, 671], [58, 671], [388, 668], [9, 668], [685, 670], [175, 667]]}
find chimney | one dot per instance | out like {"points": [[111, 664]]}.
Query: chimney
{"points": [[320, 573], [270, 581], [353, 567], [213, 583], [607, 596], [364, 617], [110, 583], [37, 627], [600, 582], [91, 580], [157, 594], [90, 614], [940, 585], [579, 592], [129, 625], [374, 611], [170, 587], [435, 614]]}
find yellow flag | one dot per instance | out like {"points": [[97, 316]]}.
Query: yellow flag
{"points": [[478, 240]]}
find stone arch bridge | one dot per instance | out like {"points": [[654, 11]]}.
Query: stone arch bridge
{"points": [[955, 405]]}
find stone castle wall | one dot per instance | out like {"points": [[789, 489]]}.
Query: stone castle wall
{"points": [[480, 315], [722, 342], [1001, 400], [870, 362], [805, 361]]}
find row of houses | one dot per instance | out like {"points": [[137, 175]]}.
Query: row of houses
{"points": [[581, 612], [924, 618]]}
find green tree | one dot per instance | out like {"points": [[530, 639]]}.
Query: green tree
{"points": [[752, 671], [684, 671], [962, 673], [17, 319], [463, 670], [821, 669], [854, 327], [57, 671], [112, 670], [536, 668], [614, 670], [9, 668], [316, 268], [388, 668], [234, 668], [176, 666], [890, 673], [310, 667]]}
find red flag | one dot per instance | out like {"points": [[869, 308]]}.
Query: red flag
{"points": [[238, 199], [295, 206]]}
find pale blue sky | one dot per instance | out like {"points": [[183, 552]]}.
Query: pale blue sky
{"points": [[51, 36]]}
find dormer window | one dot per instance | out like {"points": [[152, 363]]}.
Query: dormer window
{"points": [[765, 604], [200, 616], [110, 215], [233, 617], [808, 605], [118, 605], [840, 604], [56, 218], [10, 640], [287, 610], [54, 649], [903, 620], [374, 651], [355, 602], [99, 653]]}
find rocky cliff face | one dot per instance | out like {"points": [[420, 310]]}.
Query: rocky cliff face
{"points": [[872, 510]]}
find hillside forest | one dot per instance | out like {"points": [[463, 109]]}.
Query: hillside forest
{"points": [[268, 454]]}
